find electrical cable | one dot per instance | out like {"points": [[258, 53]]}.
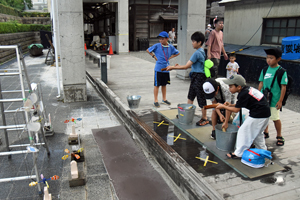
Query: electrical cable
{"points": [[257, 29]]}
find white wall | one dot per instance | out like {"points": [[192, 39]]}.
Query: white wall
{"points": [[242, 20]]}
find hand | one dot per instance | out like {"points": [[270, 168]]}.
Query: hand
{"points": [[225, 125], [209, 57], [222, 118], [278, 105], [155, 58], [227, 103], [225, 56], [169, 68]]}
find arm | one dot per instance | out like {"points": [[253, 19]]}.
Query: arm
{"points": [[229, 108], [187, 65], [152, 54], [279, 103], [174, 55], [224, 53], [260, 86], [208, 52]]}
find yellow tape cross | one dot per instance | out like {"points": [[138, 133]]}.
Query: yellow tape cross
{"points": [[161, 123], [206, 160], [177, 137]]}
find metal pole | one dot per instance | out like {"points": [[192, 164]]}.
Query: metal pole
{"points": [[54, 16], [104, 70], [17, 178]]}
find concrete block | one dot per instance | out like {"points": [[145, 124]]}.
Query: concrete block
{"points": [[78, 181], [47, 196], [73, 140], [74, 170]]}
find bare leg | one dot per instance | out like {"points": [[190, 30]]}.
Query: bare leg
{"points": [[156, 88], [267, 129], [190, 101], [203, 113], [164, 92], [277, 124], [214, 119]]}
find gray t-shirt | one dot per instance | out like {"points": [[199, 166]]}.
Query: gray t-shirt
{"points": [[227, 96]]}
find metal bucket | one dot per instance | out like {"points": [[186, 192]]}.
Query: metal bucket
{"points": [[225, 141], [186, 113], [134, 101]]}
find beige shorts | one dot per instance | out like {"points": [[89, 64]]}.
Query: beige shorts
{"points": [[274, 114]]}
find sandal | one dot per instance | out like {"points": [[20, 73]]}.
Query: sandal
{"points": [[280, 141], [202, 122], [266, 135], [232, 156]]}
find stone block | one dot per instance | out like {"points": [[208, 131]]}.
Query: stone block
{"points": [[77, 182]]}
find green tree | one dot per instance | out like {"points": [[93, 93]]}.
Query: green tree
{"points": [[18, 4]]}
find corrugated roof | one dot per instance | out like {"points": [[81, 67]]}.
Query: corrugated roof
{"points": [[227, 1]]}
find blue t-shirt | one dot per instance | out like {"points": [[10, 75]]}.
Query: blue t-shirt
{"points": [[198, 59], [162, 53]]}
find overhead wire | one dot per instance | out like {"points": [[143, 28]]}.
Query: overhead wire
{"points": [[256, 30]]}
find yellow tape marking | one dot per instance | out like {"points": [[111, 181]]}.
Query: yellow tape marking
{"points": [[160, 123], [207, 160]]}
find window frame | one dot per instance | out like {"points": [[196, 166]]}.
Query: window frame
{"points": [[279, 28]]}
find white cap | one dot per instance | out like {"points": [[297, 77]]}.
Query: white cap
{"points": [[208, 25], [209, 89]]}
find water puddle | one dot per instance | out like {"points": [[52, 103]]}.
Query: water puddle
{"points": [[186, 146]]}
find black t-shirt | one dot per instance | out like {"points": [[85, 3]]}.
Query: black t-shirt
{"points": [[254, 101]]}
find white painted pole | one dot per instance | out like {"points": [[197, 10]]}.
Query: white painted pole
{"points": [[54, 16]]}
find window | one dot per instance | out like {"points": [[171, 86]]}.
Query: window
{"points": [[275, 29]]}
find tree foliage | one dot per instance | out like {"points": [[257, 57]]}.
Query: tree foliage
{"points": [[18, 4]]}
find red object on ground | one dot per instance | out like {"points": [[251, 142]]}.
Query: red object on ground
{"points": [[85, 49], [110, 50]]}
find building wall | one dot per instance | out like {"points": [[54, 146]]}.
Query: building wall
{"points": [[243, 19]]}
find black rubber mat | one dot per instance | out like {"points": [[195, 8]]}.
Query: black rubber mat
{"points": [[132, 175]]}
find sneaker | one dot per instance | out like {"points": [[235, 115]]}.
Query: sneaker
{"points": [[156, 104], [213, 135], [166, 102]]}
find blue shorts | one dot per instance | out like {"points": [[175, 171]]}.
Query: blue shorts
{"points": [[161, 79]]}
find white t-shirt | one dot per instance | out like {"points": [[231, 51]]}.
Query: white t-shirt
{"points": [[171, 36], [233, 66]]}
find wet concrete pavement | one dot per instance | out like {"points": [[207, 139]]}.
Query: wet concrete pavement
{"points": [[131, 74]]}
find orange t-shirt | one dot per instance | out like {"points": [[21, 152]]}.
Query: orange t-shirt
{"points": [[215, 41]]}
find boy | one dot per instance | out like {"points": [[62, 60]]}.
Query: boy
{"points": [[232, 67], [197, 75], [278, 91], [162, 52], [215, 46], [218, 92], [259, 113]]}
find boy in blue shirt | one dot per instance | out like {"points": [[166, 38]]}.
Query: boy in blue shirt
{"points": [[162, 52], [278, 91], [197, 75]]}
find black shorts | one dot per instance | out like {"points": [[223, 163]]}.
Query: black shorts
{"points": [[161, 79], [196, 89]]}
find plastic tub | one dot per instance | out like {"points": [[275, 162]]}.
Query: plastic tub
{"points": [[186, 113], [290, 48], [134, 101], [225, 141]]}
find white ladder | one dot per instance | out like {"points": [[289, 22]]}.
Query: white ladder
{"points": [[24, 127]]}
